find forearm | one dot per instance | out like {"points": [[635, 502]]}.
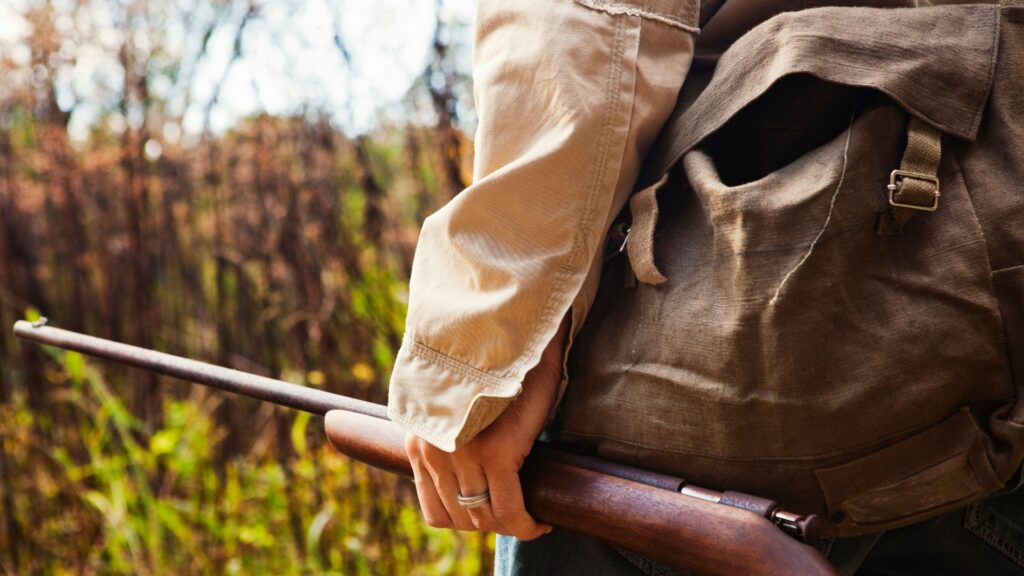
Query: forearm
{"points": [[569, 98]]}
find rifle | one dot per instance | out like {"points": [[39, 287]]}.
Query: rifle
{"points": [[657, 515]]}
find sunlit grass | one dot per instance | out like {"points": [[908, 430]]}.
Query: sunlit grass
{"points": [[134, 501]]}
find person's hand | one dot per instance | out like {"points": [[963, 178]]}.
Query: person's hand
{"points": [[490, 462]]}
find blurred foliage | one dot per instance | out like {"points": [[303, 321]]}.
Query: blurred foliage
{"points": [[136, 502], [281, 247]]}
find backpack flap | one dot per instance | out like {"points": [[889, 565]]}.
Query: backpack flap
{"points": [[937, 63]]}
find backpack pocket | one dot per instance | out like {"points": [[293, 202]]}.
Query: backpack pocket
{"points": [[939, 469]]}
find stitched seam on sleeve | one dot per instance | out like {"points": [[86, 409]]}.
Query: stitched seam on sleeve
{"points": [[449, 440], [427, 353], [567, 268], [410, 424], [641, 11]]}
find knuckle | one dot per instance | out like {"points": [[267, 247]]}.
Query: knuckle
{"points": [[462, 457], [504, 514], [482, 524], [437, 520], [412, 445], [430, 455], [470, 450]]}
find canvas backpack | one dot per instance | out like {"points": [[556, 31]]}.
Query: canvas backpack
{"points": [[821, 296]]}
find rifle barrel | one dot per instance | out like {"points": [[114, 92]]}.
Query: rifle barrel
{"points": [[251, 385], [804, 528]]}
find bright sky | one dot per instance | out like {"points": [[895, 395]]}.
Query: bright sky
{"points": [[289, 62]]}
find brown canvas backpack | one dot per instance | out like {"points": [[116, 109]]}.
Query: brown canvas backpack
{"points": [[821, 300]]}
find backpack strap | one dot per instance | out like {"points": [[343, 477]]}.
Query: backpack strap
{"points": [[914, 186], [640, 240]]}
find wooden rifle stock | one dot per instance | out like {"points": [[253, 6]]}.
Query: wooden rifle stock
{"points": [[708, 538], [636, 509]]}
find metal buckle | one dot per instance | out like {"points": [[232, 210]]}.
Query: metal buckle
{"points": [[903, 174], [618, 237]]}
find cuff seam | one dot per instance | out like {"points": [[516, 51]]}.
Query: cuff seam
{"points": [[441, 440], [433, 356], [613, 7], [447, 441]]}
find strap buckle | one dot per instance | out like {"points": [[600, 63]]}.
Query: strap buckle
{"points": [[904, 174]]}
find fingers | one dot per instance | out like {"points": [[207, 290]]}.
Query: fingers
{"points": [[437, 486], [448, 489], [434, 510], [473, 481], [440, 478], [508, 506]]}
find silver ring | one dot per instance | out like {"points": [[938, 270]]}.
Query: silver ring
{"points": [[469, 502]]}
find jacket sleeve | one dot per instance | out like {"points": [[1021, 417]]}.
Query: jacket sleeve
{"points": [[569, 95]]}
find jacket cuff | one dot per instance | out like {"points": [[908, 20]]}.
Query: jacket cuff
{"points": [[442, 400]]}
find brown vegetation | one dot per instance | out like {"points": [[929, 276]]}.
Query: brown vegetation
{"points": [[280, 247]]}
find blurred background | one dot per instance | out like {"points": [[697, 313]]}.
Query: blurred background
{"points": [[240, 182]]}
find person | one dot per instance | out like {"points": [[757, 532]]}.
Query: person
{"points": [[570, 95]]}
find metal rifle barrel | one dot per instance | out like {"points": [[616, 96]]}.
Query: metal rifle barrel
{"points": [[259, 387]]}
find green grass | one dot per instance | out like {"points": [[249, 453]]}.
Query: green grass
{"points": [[138, 501]]}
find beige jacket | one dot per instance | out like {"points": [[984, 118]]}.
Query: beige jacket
{"points": [[570, 95]]}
